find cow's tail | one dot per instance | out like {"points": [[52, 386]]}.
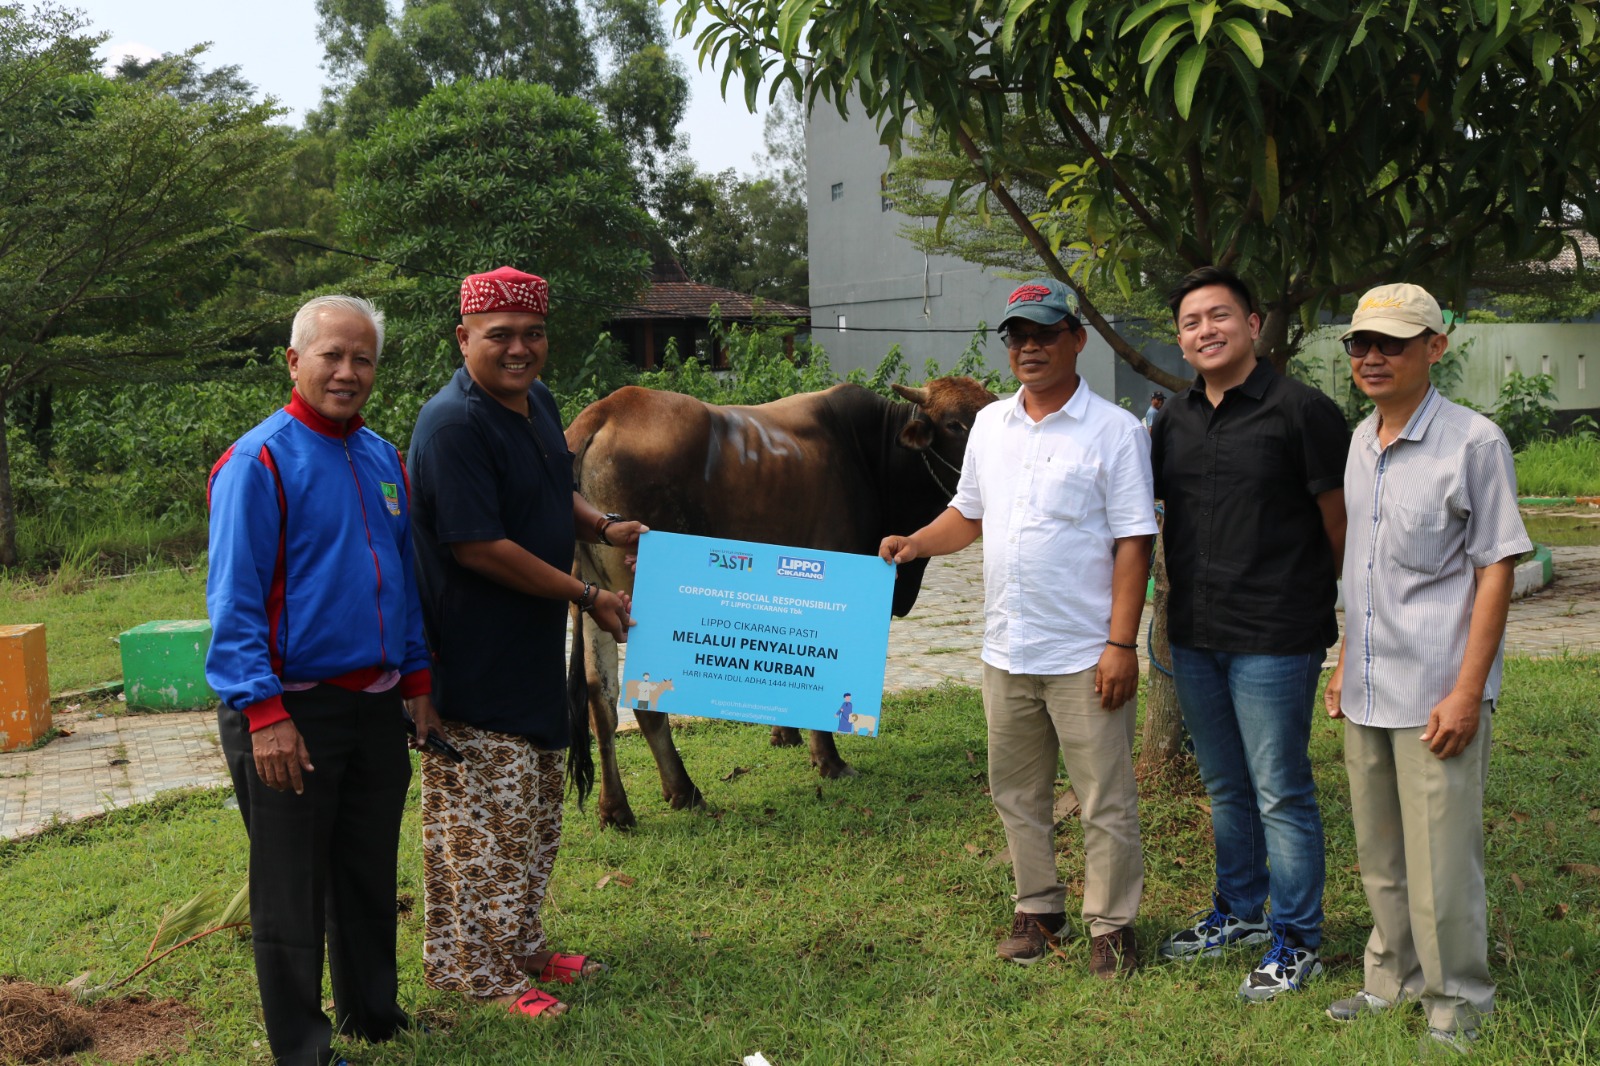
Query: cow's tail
{"points": [[580, 760]]}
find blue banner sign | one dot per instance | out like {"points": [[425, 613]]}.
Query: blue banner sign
{"points": [[758, 633]]}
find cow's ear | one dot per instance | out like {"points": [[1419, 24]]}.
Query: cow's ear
{"points": [[906, 392], [918, 432]]}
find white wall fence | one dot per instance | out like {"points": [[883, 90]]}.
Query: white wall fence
{"points": [[1568, 353]]}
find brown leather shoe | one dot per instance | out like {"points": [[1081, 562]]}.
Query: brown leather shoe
{"points": [[1114, 954], [1031, 937]]}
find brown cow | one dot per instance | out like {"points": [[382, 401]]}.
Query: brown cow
{"points": [[838, 470]]}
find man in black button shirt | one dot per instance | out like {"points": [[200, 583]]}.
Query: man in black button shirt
{"points": [[495, 519], [1251, 466]]}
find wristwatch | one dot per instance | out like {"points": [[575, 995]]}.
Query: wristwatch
{"points": [[600, 526]]}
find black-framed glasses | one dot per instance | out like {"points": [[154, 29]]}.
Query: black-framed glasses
{"points": [[1044, 337], [1359, 345]]}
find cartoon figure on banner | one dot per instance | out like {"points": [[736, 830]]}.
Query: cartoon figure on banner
{"points": [[644, 692], [865, 725], [846, 713]]}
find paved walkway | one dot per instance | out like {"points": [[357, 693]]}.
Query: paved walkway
{"points": [[119, 760]]}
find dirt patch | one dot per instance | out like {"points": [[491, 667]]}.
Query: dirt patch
{"points": [[47, 1025]]}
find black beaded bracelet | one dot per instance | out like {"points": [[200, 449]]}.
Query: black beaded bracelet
{"points": [[586, 598], [1119, 644]]}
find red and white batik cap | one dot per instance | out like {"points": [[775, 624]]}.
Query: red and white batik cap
{"points": [[505, 289]]}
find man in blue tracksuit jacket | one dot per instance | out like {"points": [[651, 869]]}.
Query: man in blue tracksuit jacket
{"points": [[317, 641]]}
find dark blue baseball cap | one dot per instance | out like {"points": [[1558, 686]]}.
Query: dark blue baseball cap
{"points": [[1044, 300]]}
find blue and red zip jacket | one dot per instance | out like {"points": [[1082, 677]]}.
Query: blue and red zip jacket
{"points": [[311, 575]]}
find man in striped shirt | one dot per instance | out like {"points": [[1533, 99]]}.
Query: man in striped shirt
{"points": [[1430, 549]]}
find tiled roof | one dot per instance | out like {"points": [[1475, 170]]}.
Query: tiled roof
{"points": [[1566, 261], [690, 299]]}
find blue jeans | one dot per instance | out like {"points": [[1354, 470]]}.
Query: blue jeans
{"points": [[1250, 719]]}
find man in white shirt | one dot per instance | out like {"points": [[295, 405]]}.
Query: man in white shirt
{"points": [[1057, 481]]}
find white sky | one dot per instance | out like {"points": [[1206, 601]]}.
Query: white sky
{"points": [[275, 45]]}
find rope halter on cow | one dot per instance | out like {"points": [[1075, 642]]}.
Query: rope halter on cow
{"points": [[935, 474]]}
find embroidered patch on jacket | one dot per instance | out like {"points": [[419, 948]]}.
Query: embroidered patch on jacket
{"points": [[391, 496]]}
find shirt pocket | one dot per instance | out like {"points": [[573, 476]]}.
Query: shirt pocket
{"points": [[1067, 490], [1420, 538]]}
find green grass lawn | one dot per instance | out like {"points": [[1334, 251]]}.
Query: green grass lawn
{"points": [[82, 615], [1562, 466], [854, 921]]}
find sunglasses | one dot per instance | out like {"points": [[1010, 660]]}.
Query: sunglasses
{"points": [[1388, 347], [1044, 337]]}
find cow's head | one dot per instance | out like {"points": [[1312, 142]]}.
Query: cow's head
{"points": [[945, 409], [937, 433]]}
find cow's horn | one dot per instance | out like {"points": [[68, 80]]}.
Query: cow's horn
{"points": [[906, 392]]}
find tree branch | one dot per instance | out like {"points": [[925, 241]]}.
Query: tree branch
{"points": [[1125, 351], [1202, 206]]}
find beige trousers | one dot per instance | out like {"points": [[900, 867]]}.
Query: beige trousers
{"points": [[1032, 717], [1419, 838]]}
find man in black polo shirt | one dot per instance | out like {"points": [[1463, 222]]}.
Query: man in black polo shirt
{"points": [[1251, 466], [494, 517]]}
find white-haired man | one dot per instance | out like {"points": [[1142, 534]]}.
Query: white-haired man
{"points": [[317, 641]]}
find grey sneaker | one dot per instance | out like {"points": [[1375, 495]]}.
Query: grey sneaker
{"points": [[1031, 937], [1448, 1042], [1282, 969], [1212, 934], [1363, 1002]]}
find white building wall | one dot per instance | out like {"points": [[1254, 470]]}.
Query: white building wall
{"points": [[885, 290]]}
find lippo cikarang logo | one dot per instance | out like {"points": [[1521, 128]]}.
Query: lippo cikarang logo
{"points": [[794, 566]]}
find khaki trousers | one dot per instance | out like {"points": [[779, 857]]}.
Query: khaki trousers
{"points": [[1419, 838], [1030, 718]]}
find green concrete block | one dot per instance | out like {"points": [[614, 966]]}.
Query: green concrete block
{"points": [[164, 666]]}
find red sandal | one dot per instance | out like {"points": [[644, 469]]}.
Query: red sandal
{"points": [[535, 1003], [569, 969]]}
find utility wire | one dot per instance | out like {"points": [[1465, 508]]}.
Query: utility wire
{"points": [[636, 308]]}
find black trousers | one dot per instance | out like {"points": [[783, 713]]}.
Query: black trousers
{"points": [[322, 865]]}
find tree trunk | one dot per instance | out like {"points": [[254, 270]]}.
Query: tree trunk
{"points": [[8, 509], [1163, 724]]}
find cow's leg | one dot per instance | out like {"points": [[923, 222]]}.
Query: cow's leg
{"points": [[600, 658], [676, 788], [785, 737], [825, 756]]}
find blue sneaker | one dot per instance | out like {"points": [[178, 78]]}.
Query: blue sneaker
{"points": [[1283, 968], [1212, 934]]}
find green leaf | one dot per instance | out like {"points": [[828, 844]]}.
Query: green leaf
{"points": [[1158, 36], [1545, 44], [1249, 41], [1154, 65], [1201, 15], [1075, 18], [792, 20], [1586, 23], [1008, 28], [1144, 12], [238, 908], [1188, 76], [1502, 16], [1268, 5], [1265, 175]]}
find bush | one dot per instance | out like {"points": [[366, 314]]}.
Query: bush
{"points": [[1523, 408]]}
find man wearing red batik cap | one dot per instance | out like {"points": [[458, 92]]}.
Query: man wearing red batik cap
{"points": [[495, 516]]}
